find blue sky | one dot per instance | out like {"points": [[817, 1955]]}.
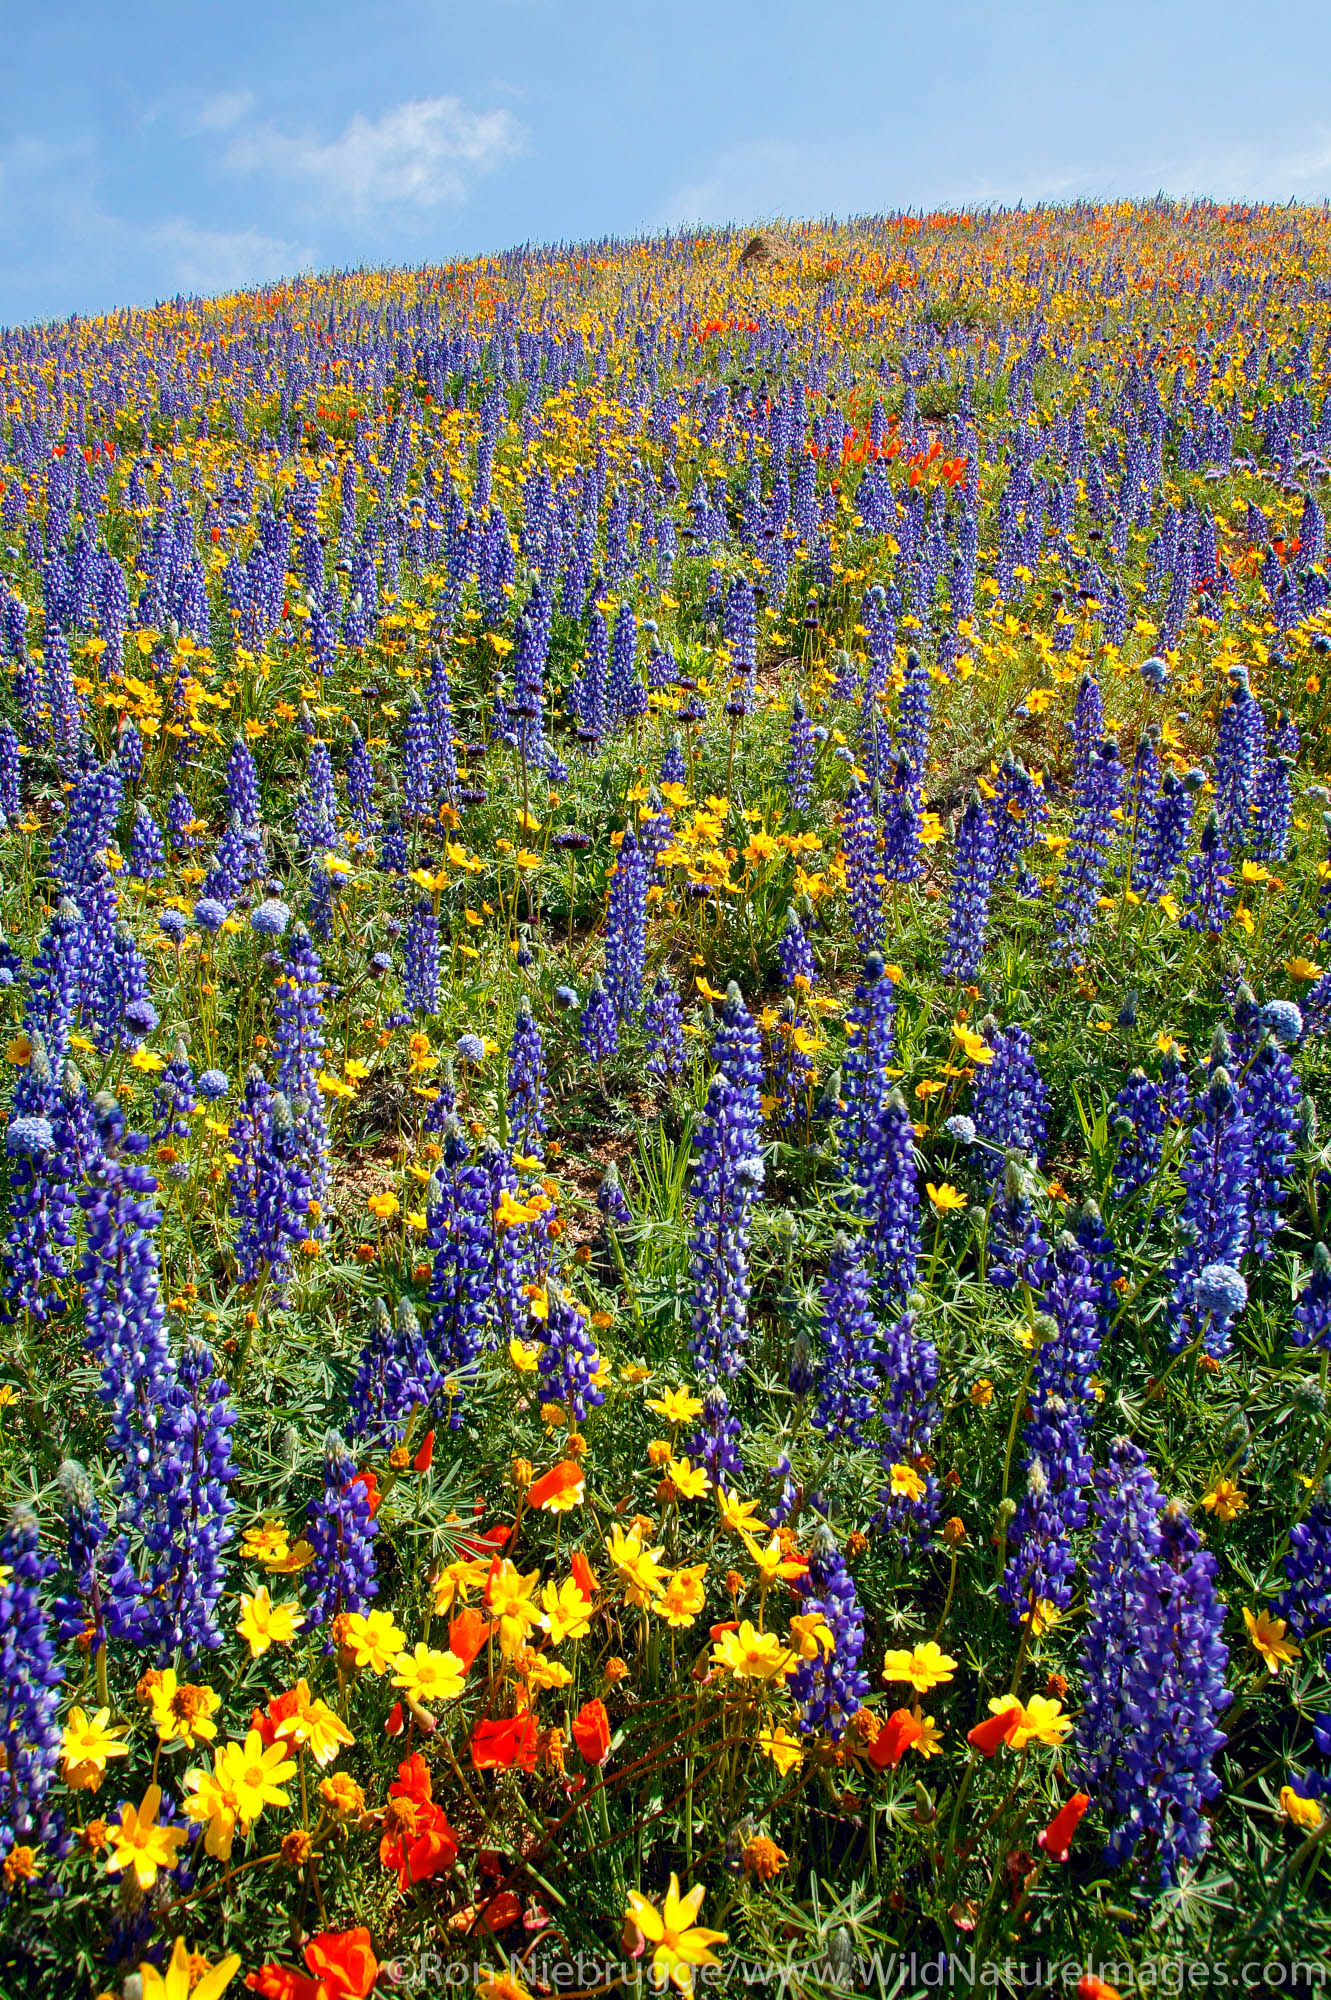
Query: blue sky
{"points": [[149, 147]]}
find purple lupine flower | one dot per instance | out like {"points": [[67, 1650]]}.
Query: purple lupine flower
{"points": [[902, 825], [393, 856], [715, 1444], [87, 829], [1009, 1102], [909, 1411], [54, 978], [674, 767], [316, 806], [848, 1369], [242, 784], [1306, 1601], [92, 1561], [459, 1233], [174, 1098], [1128, 1505], [1057, 1455], [1236, 766], [439, 712], [864, 866], [1274, 813], [188, 1536], [1163, 842], [870, 1048], [831, 1686], [795, 954], [1153, 1669], [418, 786], [793, 1074], [1284, 1020], [123, 1013], [394, 1375], [298, 1042], [1214, 1219], [1138, 1126], [663, 1024], [626, 930], [972, 882], [269, 1186], [567, 1367], [11, 798], [526, 1083], [799, 759], [727, 1182], [421, 955], [181, 823], [125, 1338], [887, 1197], [587, 694], [1271, 1099], [1097, 1247], [610, 1199], [37, 1237], [1094, 830], [1088, 727], [654, 832], [913, 715], [1017, 1251], [1019, 811], [30, 1677], [1312, 1315], [270, 918], [147, 849], [341, 1530], [130, 751], [516, 1253], [1210, 883], [360, 785], [1143, 794], [626, 697], [599, 1027]]}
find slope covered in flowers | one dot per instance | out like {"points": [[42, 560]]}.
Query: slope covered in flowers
{"points": [[665, 1301]]}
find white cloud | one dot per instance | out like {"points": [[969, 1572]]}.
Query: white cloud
{"points": [[426, 151], [221, 112]]}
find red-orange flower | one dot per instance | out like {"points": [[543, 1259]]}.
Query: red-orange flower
{"points": [[417, 1839], [894, 1739], [501, 1911], [342, 1965], [582, 1575], [424, 1458], [498, 1746], [280, 1709], [1057, 1836], [559, 1488], [987, 1736], [591, 1731], [467, 1633]]}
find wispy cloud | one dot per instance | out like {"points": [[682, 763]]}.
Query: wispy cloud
{"points": [[424, 152], [221, 112]]}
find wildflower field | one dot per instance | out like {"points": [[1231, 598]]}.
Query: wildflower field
{"points": [[665, 993]]}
